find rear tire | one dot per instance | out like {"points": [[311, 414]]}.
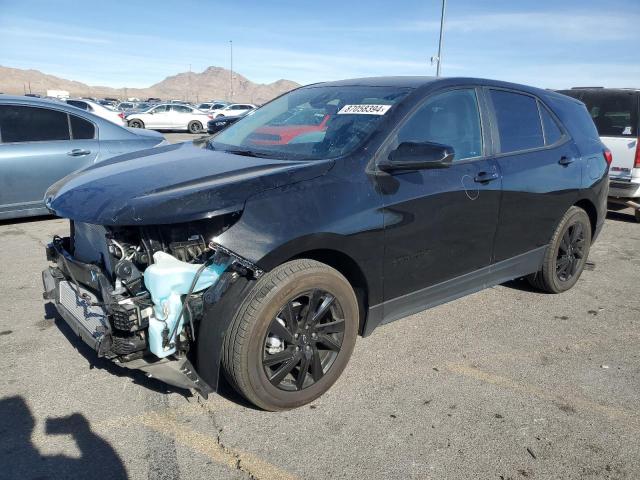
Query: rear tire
{"points": [[194, 127], [136, 123], [292, 336], [566, 254]]}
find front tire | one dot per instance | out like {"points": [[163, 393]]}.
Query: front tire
{"points": [[566, 255], [292, 336], [194, 127]]}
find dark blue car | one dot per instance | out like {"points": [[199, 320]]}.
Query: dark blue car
{"points": [[263, 262]]}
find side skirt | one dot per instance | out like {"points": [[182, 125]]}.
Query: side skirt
{"points": [[448, 290]]}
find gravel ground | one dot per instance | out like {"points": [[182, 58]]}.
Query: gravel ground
{"points": [[507, 383]]}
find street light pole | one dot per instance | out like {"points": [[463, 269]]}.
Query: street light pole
{"points": [[231, 74], [439, 59]]}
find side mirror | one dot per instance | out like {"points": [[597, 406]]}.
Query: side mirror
{"points": [[418, 156]]}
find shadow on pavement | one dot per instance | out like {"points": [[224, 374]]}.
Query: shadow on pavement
{"points": [[626, 215], [19, 221], [20, 458]]}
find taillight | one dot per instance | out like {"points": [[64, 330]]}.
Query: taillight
{"points": [[608, 156], [636, 163], [210, 116], [121, 115]]}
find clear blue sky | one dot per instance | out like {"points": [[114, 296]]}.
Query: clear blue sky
{"points": [[136, 43]]}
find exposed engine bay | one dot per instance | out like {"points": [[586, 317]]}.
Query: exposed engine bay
{"points": [[136, 293]]}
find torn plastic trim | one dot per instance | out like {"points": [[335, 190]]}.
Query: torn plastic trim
{"points": [[239, 264], [176, 372]]}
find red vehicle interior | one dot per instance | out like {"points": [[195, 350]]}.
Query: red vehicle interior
{"points": [[283, 130]]}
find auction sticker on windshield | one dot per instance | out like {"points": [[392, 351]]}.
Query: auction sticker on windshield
{"points": [[364, 109]]}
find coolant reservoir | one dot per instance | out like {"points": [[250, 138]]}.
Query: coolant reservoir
{"points": [[167, 279]]}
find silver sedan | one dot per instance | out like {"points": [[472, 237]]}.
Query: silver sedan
{"points": [[42, 141]]}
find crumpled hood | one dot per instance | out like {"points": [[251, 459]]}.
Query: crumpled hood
{"points": [[171, 184]]}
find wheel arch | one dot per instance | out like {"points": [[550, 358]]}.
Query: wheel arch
{"points": [[337, 252], [588, 206], [348, 267]]}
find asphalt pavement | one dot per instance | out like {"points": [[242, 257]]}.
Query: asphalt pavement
{"points": [[508, 383]]}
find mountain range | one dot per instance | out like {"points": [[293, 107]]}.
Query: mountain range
{"points": [[212, 83]]}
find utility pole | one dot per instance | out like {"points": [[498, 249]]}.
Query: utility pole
{"points": [[438, 59], [188, 84], [231, 74]]}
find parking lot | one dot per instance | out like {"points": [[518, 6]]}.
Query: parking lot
{"points": [[508, 383]]}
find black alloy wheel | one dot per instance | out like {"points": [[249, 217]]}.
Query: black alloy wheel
{"points": [[567, 253], [291, 337], [303, 340], [571, 252]]}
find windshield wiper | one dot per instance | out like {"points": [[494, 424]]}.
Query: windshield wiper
{"points": [[249, 153]]}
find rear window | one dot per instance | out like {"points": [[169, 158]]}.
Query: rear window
{"points": [[32, 124], [75, 103], [518, 121], [576, 119], [615, 113]]}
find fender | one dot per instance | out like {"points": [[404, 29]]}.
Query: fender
{"points": [[216, 318]]}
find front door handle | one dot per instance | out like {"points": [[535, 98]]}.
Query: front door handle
{"points": [[564, 160], [78, 152], [484, 177]]}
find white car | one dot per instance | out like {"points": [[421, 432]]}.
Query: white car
{"points": [[616, 113], [170, 116], [99, 110], [234, 110]]}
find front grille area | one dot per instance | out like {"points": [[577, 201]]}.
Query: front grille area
{"points": [[91, 317]]}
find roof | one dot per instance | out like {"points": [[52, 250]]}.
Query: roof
{"points": [[402, 82], [421, 82], [600, 89], [42, 102]]}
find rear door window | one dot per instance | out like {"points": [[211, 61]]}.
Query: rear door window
{"points": [[82, 129], [518, 120], [32, 124], [614, 113]]}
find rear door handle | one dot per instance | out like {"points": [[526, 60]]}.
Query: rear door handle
{"points": [[483, 177], [566, 160], [78, 152]]}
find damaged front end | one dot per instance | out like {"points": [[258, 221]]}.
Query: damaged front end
{"points": [[136, 294]]}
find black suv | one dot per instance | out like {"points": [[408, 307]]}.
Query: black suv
{"points": [[264, 255]]}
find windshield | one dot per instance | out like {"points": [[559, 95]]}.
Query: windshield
{"points": [[311, 123]]}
